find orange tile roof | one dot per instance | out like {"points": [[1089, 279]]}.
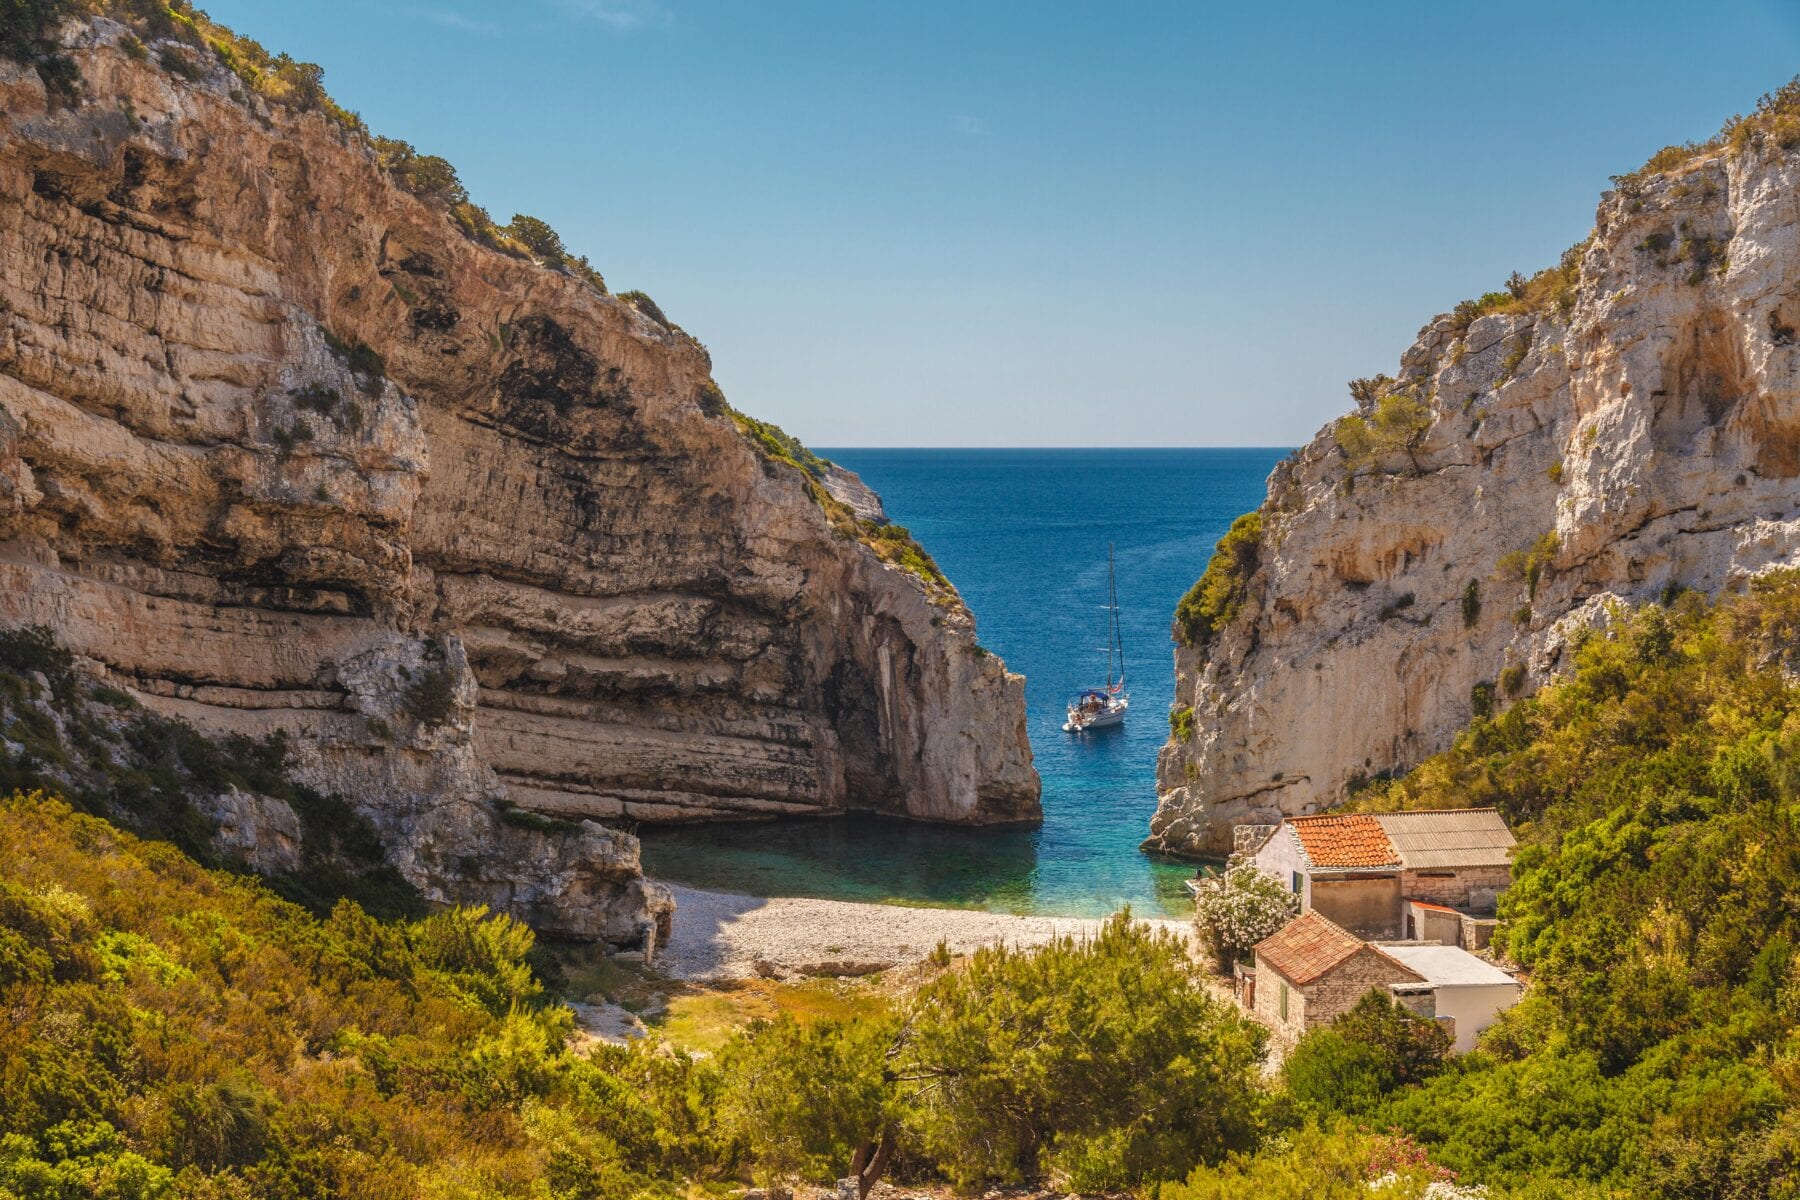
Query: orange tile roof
{"points": [[1307, 947], [1310, 946], [1344, 840]]}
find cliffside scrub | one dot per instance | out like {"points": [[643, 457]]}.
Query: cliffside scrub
{"points": [[1620, 426], [295, 439], [1655, 794]]}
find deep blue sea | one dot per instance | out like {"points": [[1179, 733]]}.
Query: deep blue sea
{"points": [[1023, 534]]}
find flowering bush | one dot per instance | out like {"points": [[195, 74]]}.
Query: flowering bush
{"points": [[1240, 908]]}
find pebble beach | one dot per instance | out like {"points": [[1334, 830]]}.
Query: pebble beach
{"points": [[727, 935]]}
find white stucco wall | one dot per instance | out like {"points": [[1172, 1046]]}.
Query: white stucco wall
{"points": [[1280, 856], [1475, 1007]]}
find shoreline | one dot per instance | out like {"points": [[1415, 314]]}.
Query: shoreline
{"points": [[733, 935]]}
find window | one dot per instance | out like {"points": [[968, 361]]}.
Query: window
{"points": [[1284, 1000], [1299, 883]]}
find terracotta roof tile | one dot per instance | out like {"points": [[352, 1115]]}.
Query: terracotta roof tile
{"points": [[1310, 946], [1344, 840], [1307, 947]]}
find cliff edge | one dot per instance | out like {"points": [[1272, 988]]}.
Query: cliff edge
{"points": [[1618, 427], [283, 446]]}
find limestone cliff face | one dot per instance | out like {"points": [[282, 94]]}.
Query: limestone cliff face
{"points": [[523, 565], [1652, 426]]}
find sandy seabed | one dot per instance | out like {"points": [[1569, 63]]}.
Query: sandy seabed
{"points": [[725, 935]]}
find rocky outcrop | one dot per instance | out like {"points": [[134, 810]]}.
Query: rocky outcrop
{"points": [[284, 450], [1636, 434]]}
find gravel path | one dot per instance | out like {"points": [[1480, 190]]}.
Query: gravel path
{"points": [[726, 935]]}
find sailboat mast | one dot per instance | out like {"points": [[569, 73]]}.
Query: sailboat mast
{"points": [[1115, 643]]}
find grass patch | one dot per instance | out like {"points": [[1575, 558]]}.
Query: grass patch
{"points": [[704, 1019]]}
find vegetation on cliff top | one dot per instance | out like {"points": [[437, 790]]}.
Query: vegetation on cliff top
{"points": [[1219, 593], [891, 543], [1395, 418]]}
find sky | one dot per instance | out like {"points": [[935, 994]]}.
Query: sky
{"points": [[1044, 224]]}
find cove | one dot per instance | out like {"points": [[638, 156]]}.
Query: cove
{"points": [[1023, 535]]}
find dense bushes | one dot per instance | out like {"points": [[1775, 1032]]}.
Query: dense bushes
{"points": [[94, 746], [1654, 907], [1219, 593], [1103, 1065], [178, 1032], [174, 1031], [1369, 1052]]}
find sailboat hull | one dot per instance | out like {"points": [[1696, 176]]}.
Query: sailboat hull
{"points": [[1113, 714]]}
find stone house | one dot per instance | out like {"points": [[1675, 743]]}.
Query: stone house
{"points": [[1427, 875], [1310, 972]]}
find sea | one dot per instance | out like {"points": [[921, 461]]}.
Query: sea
{"points": [[1023, 534]]}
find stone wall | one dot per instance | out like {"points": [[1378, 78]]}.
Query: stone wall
{"points": [[1366, 905], [1326, 998], [1465, 887]]}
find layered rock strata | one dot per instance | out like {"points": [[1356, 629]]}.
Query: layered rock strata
{"points": [[1640, 436], [284, 450]]}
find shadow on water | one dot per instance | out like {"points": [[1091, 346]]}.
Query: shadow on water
{"points": [[857, 857], [889, 860]]}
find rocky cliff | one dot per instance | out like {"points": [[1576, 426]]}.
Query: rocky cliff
{"points": [[283, 448], [1615, 428]]}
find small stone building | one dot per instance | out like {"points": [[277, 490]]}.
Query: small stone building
{"points": [[1370, 873], [1311, 971]]}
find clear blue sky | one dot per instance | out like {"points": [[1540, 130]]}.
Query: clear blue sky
{"points": [[1081, 224]]}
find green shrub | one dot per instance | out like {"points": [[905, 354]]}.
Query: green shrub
{"points": [[1239, 908], [1396, 422], [539, 238], [1471, 604], [28, 34], [430, 699], [1481, 700], [644, 304], [1181, 723], [818, 1103], [1219, 593], [1339, 1163], [1528, 564], [1512, 679], [1102, 1063], [777, 445], [1554, 472], [1369, 1052]]}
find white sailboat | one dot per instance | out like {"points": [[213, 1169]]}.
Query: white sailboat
{"points": [[1100, 708]]}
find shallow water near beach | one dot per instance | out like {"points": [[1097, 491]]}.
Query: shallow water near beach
{"points": [[1023, 534]]}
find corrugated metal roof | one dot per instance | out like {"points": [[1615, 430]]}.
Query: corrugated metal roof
{"points": [[1439, 839], [1450, 966]]}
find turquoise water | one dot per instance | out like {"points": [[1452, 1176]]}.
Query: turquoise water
{"points": [[1023, 534]]}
